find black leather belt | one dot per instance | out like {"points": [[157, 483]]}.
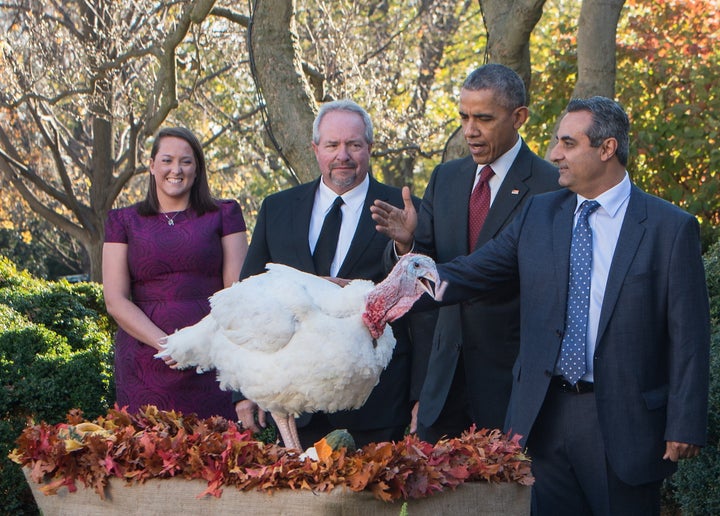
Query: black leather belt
{"points": [[581, 387]]}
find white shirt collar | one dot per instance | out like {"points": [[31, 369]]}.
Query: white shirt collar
{"points": [[502, 165], [611, 200], [353, 199]]}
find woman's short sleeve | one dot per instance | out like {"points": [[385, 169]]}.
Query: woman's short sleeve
{"points": [[115, 227], [232, 218]]}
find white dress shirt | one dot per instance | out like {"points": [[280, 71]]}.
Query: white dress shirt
{"points": [[351, 211], [605, 223], [500, 166]]}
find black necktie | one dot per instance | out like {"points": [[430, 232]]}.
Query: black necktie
{"points": [[328, 239]]}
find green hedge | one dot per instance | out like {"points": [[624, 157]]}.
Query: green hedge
{"points": [[697, 482], [55, 355]]}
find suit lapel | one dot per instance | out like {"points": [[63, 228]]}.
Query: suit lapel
{"points": [[512, 190], [457, 193], [365, 231], [562, 236], [631, 234], [299, 213]]}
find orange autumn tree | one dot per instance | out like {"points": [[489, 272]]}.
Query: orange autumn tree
{"points": [[667, 61], [668, 58]]}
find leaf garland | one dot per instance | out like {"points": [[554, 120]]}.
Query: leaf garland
{"points": [[163, 444]]}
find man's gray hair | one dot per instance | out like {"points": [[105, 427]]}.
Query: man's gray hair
{"points": [[343, 105]]}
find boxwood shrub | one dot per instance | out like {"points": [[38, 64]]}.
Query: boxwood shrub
{"points": [[696, 484], [55, 355]]}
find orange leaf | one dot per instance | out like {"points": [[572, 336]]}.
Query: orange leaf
{"points": [[324, 451]]}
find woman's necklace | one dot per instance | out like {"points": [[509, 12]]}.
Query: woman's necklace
{"points": [[170, 220]]}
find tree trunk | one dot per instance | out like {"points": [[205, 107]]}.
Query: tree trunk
{"points": [[72, 138], [509, 24], [288, 98], [597, 30], [596, 45], [94, 251]]}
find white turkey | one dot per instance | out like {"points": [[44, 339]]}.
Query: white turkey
{"points": [[293, 342]]}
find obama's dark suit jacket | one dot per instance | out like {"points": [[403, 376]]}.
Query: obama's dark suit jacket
{"points": [[484, 331]]}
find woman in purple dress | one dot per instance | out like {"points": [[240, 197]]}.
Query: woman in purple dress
{"points": [[162, 259]]}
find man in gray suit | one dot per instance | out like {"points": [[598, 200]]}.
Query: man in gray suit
{"points": [[602, 437], [469, 371]]}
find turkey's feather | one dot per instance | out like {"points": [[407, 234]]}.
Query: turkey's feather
{"points": [[293, 342]]}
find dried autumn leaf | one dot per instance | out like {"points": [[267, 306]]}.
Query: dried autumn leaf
{"points": [[324, 450], [161, 444]]}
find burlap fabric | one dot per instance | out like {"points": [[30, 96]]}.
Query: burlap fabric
{"points": [[179, 496]]}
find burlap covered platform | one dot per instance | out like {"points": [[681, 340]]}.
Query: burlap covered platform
{"points": [[178, 496]]}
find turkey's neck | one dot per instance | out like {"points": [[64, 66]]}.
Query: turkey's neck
{"points": [[384, 304]]}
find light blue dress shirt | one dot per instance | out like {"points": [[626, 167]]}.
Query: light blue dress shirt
{"points": [[605, 223]]}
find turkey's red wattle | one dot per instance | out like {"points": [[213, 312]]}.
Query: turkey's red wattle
{"points": [[374, 316], [390, 300]]}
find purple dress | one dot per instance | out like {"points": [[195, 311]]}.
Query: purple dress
{"points": [[174, 269]]}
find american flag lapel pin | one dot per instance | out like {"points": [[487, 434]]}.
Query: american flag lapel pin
{"points": [[515, 191]]}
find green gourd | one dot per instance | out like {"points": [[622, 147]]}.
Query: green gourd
{"points": [[341, 439]]}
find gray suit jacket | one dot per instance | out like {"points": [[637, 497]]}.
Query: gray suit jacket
{"points": [[281, 236], [486, 331], [651, 361]]}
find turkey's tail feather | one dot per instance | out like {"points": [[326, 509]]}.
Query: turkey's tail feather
{"points": [[191, 345]]}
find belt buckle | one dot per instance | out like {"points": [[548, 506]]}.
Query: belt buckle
{"points": [[576, 387]]}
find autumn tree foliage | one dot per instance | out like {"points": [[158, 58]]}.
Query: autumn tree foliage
{"points": [[84, 84], [667, 61], [667, 77]]}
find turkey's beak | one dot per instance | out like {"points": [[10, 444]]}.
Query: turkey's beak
{"points": [[428, 281]]}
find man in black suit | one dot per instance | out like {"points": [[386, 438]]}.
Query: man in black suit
{"points": [[287, 231], [610, 388], [469, 372]]}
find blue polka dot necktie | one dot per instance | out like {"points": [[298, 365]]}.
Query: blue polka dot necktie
{"points": [[572, 362]]}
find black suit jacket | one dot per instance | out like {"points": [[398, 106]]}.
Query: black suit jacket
{"points": [[281, 236], [485, 330], [651, 361]]}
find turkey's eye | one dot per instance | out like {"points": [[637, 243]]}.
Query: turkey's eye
{"points": [[416, 264]]}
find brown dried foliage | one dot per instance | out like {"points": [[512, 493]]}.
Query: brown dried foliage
{"points": [[160, 444]]}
